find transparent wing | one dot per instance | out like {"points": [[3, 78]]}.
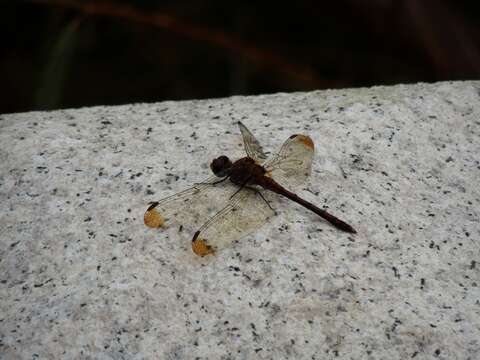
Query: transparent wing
{"points": [[190, 207], [251, 144], [292, 165], [245, 212]]}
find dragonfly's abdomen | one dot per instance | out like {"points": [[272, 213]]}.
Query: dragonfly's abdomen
{"points": [[270, 184]]}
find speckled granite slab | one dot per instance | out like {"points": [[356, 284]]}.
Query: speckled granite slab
{"points": [[81, 277]]}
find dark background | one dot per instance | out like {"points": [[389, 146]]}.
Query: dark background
{"points": [[72, 53]]}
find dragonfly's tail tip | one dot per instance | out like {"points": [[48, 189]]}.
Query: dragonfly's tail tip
{"points": [[351, 230], [347, 228]]}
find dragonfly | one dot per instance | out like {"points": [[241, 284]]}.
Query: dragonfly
{"points": [[234, 201]]}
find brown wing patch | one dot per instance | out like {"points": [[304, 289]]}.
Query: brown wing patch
{"points": [[152, 217], [200, 246], [305, 140]]}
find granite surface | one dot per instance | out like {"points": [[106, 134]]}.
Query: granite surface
{"points": [[81, 276]]}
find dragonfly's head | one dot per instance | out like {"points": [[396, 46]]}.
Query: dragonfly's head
{"points": [[221, 166]]}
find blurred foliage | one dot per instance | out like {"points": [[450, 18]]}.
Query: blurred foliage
{"points": [[71, 53]]}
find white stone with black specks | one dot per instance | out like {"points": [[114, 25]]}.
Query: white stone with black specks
{"points": [[81, 276]]}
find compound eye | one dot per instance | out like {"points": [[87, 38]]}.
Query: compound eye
{"points": [[223, 159], [220, 165]]}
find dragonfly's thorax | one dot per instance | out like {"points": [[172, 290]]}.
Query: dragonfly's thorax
{"points": [[245, 171]]}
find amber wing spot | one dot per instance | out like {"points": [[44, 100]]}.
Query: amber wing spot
{"points": [[152, 218], [200, 247], [305, 140]]}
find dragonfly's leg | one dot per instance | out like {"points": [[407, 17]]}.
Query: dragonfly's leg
{"points": [[214, 183], [241, 187], [263, 197], [220, 181]]}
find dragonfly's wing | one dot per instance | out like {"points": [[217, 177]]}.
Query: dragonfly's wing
{"points": [[252, 146], [190, 207], [291, 166], [245, 212]]}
